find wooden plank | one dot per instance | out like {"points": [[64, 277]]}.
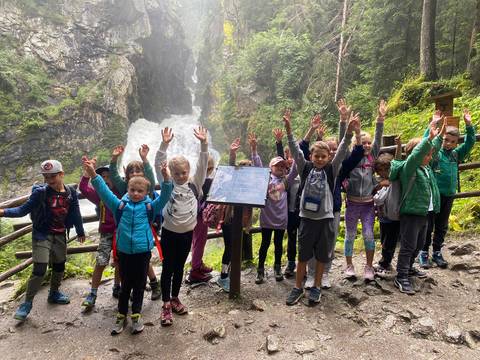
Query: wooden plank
{"points": [[10, 272], [15, 235], [467, 195]]}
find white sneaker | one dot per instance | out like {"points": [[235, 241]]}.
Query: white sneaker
{"points": [[369, 273], [326, 281], [309, 283], [350, 272]]}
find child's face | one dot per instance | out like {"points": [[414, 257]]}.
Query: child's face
{"points": [[54, 180], [137, 192], [427, 158], [288, 156], [320, 158], [180, 174], [367, 144], [383, 171], [278, 170], [333, 148], [106, 177], [450, 142]]}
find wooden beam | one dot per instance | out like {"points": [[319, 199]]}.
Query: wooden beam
{"points": [[22, 266], [15, 235]]}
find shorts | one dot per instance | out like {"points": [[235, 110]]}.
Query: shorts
{"points": [[52, 250], [315, 239], [104, 249]]}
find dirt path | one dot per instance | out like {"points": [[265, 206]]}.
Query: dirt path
{"points": [[354, 320]]}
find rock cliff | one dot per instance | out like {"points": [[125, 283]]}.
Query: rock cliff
{"points": [[75, 73]]}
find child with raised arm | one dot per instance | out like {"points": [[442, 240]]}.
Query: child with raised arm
{"points": [[180, 218], [274, 216], [106, 228], [445, 167], [136, 168], [293, 219], [420, 196], [315, 202], [359, 205], [54, 209], [134, 239]]}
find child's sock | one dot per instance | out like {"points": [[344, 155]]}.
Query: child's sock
{"points": [[93, 291]]}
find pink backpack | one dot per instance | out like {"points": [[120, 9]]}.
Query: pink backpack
{"points": [[213, 216]]}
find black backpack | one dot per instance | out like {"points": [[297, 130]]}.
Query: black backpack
{"points": [[38, 214]]}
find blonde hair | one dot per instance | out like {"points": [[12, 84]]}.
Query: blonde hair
{"points": [[178, 161], [411, 145], [139, 180], [245, 162], [319, 146]]}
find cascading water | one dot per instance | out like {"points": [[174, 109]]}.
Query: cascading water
{"points": [[184, 142]]}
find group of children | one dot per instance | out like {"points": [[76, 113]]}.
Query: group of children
{"points": [[412, 198]]}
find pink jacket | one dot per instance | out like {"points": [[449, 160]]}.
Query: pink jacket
{"points": [[107, 222]]}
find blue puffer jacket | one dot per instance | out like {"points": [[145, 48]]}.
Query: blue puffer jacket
{"points": [[134, 234]]}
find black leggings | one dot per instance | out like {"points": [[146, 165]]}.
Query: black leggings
{"points": [[133, 273], [266, 239], [175, 248], [292, 227], [227, 241]]}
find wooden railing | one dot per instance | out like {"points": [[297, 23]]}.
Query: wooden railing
{"points": [[24, 228]]}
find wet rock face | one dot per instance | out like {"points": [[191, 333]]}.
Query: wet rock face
{"points": [[107, 62]]}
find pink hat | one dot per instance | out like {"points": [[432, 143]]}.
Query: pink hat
{"points": [[278, 160]]}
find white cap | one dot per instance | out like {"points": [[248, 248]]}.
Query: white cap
{"points": [[51, 167]]}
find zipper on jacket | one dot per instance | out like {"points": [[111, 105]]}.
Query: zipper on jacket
{"points": [[131, 229]]}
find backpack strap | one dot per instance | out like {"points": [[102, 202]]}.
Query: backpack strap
{"points": [[119, 212], [150, 216], [194, 189]]}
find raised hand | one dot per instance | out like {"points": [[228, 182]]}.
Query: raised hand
{"points": [[143, 152], [252, 140], [235, 145], [88, 167], [382, 110], [343, 110], [398, 141], [117, 151], [167, 135], [467, 117], [201, 134], [321, 130], [354, 124], [165, 171], [434, 130], [316, 121], [287, 120], [443, 123], [278, 133]]}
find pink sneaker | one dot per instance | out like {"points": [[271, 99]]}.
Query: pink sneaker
{"points": [[369, 273], [166, 316], [178, 307], [349, 272]]}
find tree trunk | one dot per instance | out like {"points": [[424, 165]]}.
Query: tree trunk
{"points": [[473, 51], [454, 40], [428, 67], [340, 51]]}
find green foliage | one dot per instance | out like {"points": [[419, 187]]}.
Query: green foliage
{"points": [[47, 9]]}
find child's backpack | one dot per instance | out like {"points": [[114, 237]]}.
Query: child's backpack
{"points": [[38, 215], [213, 216], [389, 200]]}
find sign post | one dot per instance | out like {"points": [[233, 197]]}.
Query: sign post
{"points": [[238, 186]]}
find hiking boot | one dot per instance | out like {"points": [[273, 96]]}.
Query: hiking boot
{"points": [[116, 291], [224, 283], [438, 259], [294, 296], [404, 285], [326, 281], [89, 301], [382, 271], [314, 296], [309, 283], [414, 272], [368, 273], [260, 276], [205, 269], [23, 311], [289, 270], [278, 272], [349, 272], [137, 323], [423, 260], [177, 307], [57, 297], [197, 276], [156, 290], [120, 324], [166, 318]]}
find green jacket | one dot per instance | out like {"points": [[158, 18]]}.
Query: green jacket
{"points": [[417, 200], [120, 183], [445, 163]]}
